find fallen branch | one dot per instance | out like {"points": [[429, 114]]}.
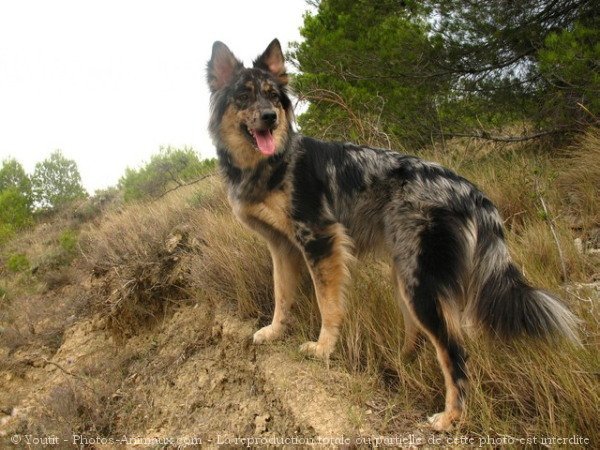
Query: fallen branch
{"points": [[553, 231], [491, 137], [71, 374], [184, 185]]}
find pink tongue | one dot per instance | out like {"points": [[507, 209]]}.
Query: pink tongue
{"points": [[265, 142]]}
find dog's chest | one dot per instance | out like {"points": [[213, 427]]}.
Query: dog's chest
{"points": [[271, 212]]}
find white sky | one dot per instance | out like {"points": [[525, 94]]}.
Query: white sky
{"points": [[108, 82]]}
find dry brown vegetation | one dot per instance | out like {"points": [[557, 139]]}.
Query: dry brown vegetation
{"points": [[147, 331]]}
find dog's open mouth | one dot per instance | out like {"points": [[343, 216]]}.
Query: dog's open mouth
{"points": [[264, 140]]}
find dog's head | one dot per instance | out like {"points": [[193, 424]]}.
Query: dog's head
{"points": [[251, 111]]}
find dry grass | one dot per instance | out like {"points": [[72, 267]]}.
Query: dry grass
{"points": [[150, 257], [234, 265], [38, 303], [579, 184], [135, 258]]}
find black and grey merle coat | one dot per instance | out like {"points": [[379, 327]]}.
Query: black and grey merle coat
{"points": [[321, 203]]}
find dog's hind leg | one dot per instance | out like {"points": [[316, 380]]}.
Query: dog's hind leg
{"points": [[327, 254], [430, 258], [287, 266], [452, 358], [432, 317]]}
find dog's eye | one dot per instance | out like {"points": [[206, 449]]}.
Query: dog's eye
{"points": [[243, 97], [273, 95]]}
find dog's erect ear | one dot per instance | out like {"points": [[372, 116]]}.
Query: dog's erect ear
{"points": [[272, 61], [222, 67]]}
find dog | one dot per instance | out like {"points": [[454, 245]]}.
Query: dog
{"points": [[319, 204]]}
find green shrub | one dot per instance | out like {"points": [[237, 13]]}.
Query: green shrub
{"points": [[17, 262], [169, 168], [15, 209], [68, 241], [56, 181], [7, 231]]}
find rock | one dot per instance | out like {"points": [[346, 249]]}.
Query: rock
{"points": [[261, 423]]}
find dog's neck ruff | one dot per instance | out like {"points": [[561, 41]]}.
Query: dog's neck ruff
{"points": [[254, 183]]}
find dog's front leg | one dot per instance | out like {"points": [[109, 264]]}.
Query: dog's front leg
{"points": [[327, 254], [287, 266]]}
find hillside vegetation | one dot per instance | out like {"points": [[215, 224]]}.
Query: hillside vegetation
{"points": [[136, 319]]}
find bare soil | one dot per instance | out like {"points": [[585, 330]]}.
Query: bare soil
{"points": [[196, 375]]}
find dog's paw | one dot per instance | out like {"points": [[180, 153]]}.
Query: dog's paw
{"points": [[316, 349], [441, 421], [266, 334]]}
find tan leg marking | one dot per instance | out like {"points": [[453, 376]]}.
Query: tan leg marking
{"points": [[453, 410], [412, 329], [287, 266], [329, 277]]}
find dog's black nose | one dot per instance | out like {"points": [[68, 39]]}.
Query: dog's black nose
{"points": [[268, 117]]}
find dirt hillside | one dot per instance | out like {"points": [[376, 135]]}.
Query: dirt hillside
{"points": [[195, 377]]}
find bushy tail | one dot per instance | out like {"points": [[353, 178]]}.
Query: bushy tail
{"points": [[503, 302]]}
